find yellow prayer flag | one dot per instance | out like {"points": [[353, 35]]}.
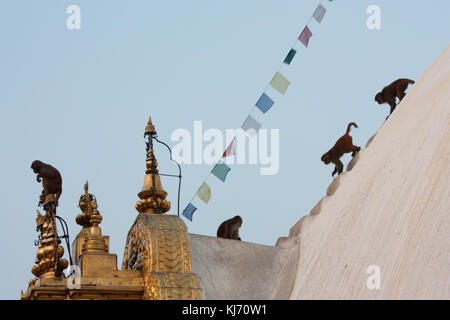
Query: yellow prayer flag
{"points": [[280, 83], [204, 192]]}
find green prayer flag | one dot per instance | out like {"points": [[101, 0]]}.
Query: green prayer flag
{"points": [[220, 170], [289, 57]]}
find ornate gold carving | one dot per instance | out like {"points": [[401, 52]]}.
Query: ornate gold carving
{"points": [[48, 257], [90, 219], [158, 245], [172, 286], [88, 206], [167, 245]]}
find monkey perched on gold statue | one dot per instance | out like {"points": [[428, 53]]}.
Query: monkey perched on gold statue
{"points": [[51, 179]]}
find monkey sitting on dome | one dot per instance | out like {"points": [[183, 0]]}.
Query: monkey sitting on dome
{"points": [[229, 229]]}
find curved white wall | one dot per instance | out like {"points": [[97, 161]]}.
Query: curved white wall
{"points": [[391, 210]]}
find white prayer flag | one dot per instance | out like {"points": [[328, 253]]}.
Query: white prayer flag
{"points": [[251, 126], [319, 13]]}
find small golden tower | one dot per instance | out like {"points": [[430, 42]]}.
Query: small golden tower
{"points": [[157, 243], [152, 195], [91, 247], [95, 242]]}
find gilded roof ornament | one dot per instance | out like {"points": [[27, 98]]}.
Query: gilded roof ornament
{"points": [[90, 218], [49, 261], [152, 194]]}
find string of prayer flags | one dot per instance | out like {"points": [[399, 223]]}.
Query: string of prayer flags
{"points": [[304, 36], [221, 170], [204, 192], [264, 103], [289, 57], [189, 211], [280, 83], [251, 126], [230, 150], [319, 13]]}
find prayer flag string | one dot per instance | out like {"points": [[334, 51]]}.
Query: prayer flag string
{"points": [[251, 125]]}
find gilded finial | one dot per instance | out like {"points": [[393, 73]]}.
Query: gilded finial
{"points": [[152, 194], [86, 187], [90, 219], [89, 209], [49, 261], [149, 128]]}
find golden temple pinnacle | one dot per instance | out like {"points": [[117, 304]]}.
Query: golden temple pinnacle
{"points": [[90, 219], [49, 261], [152, 194]]}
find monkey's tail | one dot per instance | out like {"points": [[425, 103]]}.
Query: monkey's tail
{"points": [[350, 126]]}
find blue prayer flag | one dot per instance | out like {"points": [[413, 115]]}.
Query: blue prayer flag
{"points": [[264, 103], [189, 211]]}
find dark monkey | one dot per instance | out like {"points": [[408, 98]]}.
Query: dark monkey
{"points": [[51, 179], [395, 90], [343, 145], [229, 229]]}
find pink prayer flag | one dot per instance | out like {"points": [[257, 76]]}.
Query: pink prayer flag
{"points": [[304, 36], [230, 150]]}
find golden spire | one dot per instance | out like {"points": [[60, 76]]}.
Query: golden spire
{"points": [[49, 262], [90, 219], [152, 194], [84, 203]]}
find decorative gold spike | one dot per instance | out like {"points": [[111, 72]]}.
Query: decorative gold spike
{"points": [[84, 203], [150, 128], [49, 262], [152, 194], [90, 219]]}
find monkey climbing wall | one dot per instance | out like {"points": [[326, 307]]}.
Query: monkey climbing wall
{"points": [[391, 211]]}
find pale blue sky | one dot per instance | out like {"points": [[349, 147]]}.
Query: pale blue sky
{"points": [[80, 101]]}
